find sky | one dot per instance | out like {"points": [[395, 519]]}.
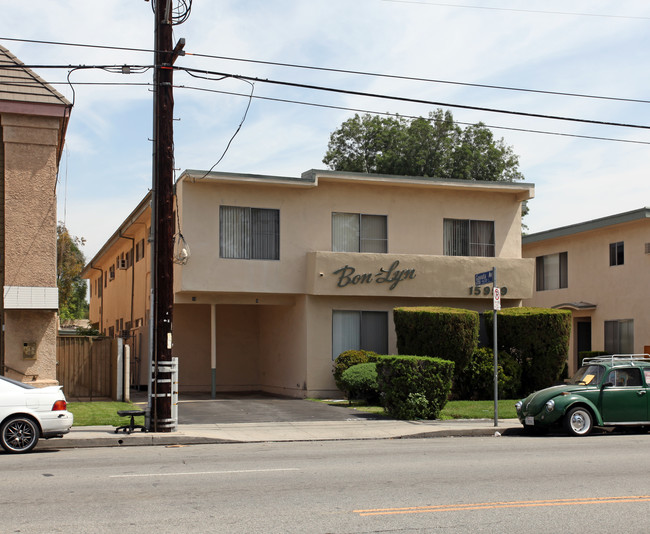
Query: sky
{"points": [[596, 48]]}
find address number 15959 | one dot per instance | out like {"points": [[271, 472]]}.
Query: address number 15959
{"points": [[485, 290]]}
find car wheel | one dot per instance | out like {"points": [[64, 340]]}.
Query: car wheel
{"points": [[578, 421], [19, 434]]}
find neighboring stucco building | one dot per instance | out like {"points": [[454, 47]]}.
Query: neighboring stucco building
{"points": [[280, 274], [33, 121], [600, 270]]}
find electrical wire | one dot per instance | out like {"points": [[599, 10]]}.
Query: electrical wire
{"points": [[372, 112], [412, 100], [439, 4], [313, 104], [250, 100], [341, 71]]}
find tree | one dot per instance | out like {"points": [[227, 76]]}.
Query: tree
{"points": [[70, 263], [434, 147]]}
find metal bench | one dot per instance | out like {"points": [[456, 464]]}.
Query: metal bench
{"points": [[127, 429]]}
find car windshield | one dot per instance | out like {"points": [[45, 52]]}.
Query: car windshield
{"points": [[588, 374]]}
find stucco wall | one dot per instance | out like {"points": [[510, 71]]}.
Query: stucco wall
{"points": [[415, 225], [30, 169], [618, 292], [31, 327]]}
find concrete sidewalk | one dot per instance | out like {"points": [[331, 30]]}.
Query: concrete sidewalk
{"points": [[259, 432]]}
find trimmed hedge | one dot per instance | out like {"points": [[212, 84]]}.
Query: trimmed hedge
{"points": [[476, 381], [447, 333], [360, 382], [414, 387], [537, 338], [347, 359]]}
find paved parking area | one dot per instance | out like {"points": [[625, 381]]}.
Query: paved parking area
{"points": [[260, 408]]}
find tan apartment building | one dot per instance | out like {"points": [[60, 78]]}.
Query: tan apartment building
{"points": [[600, 270], [33, 122], [276, 276]]}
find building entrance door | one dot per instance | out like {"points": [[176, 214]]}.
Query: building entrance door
{"points": [[583, 328]]}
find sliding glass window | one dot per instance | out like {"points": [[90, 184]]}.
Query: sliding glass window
{"points": [[249, 233]]}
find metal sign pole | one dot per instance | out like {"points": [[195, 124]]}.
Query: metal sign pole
{"points": [[495, 291]]}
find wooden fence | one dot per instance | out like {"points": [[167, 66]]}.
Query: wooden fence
{"points": [[85, 366]]}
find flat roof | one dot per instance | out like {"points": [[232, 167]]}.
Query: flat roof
{"points": [[311, 178], [587, 226]]}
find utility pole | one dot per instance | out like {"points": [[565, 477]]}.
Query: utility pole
{"points": [[162, 210]]}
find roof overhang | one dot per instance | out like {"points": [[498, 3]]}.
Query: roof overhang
{"points": [[575, 306]]}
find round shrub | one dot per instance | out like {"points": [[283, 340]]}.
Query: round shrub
{"points": [[360, 382], [414, 387], [347, 359]]}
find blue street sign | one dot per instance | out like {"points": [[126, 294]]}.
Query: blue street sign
{"points": [[480, 279]]}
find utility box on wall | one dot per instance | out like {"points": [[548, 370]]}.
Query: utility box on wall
{"points": [[29, 351]]}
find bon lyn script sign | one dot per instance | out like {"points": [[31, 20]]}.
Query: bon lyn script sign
{"points": [[393, 275]]}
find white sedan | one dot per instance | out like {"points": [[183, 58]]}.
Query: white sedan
{"points": [[28, 413]]}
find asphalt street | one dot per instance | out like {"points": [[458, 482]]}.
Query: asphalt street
{"points": [[514, 484]]}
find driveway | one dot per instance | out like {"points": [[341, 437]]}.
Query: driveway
{"points": [[259, 408]]}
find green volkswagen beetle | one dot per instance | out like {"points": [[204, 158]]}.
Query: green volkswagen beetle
{"points": [[607, 391]]}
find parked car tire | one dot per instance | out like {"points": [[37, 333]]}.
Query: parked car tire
{"points": [[578, 421], [19, 434]]}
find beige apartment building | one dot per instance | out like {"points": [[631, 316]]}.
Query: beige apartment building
{"points": [[600, 270], [276, 276], [33, 122]]}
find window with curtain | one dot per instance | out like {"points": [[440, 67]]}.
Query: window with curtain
{"points": [[249, 233], [552, 271], [354, 330], [464, 237], [616, 254], [357, 232], [619, 336]]}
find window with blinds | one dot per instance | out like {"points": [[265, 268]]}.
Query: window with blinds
{"points": [[355, 330], [357, 232], [552, 271], [249, 233], [619, 336], [464, 237]]}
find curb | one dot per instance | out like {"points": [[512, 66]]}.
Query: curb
{"points": [[169, 440]]}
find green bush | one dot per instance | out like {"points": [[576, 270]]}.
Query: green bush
{"points": [[476, 381], [414, 387], [538, 339], [447, 333], [359, 382], [347, 359]]}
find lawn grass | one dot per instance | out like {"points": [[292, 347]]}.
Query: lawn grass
{"points": [[452, 410], [105, 413], [102, 413]]}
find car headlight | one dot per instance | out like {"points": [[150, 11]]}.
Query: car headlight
{"points": [[550, 405], [518, 405]]}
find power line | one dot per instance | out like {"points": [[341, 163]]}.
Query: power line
{"points": [[347, 71], [201, 73], [542, 12], [325, 106], [358, 110], [222, 75]]}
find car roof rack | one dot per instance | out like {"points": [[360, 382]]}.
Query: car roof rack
{"points": [[618, 359]]}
